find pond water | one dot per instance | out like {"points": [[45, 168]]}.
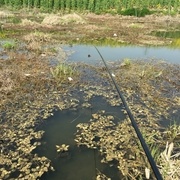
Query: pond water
{"points": [[80, 53], [81, 163]]}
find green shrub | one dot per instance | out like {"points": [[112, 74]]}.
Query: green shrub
{"points": [[136, 12]]}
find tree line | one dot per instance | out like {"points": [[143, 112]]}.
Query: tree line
{"points": [[96, 6]]}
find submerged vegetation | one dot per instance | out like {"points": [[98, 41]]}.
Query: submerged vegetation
{"points": [[142, 86]]}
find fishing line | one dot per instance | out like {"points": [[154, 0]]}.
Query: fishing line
{"points": [[134, 124]]}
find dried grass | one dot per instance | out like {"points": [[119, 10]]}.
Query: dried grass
{"points": [[6, 82], [170, 164], [66, 19], [5, 14], [35, 39], [26, 22]]}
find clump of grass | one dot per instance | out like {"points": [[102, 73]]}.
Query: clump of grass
{"points": [[170, 164], [126, 62], [9, 45], [62, 72], [35, 39], [173, 132]]}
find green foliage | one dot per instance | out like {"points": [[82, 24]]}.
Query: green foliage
{"points": [[155, 152], [91, 5], [68, 5], [2, 2], [173, 131], [62, 4], [136, 12], [132, 7], [127, 62], [56, 4], [62, 72], [74, 4], [9, 45], [37, 3], [44, 4]]}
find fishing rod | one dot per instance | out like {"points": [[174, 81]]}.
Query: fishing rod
{"points": [[134, 124]]}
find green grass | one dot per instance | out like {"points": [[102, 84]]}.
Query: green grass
{"points": [[62, 72], [9, 45], [173, 131], [136, 12]]}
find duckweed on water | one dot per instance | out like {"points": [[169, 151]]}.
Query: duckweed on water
{"points": [[144, 87]]}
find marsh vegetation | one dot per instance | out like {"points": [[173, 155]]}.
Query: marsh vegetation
{"points": [[36, 81]]}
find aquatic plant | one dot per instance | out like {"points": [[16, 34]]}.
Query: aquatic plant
{"points": [[62, 148], [63, 72], [9, 45]]}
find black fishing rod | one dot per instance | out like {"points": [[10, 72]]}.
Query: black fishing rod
{"points": [[134, 124]]}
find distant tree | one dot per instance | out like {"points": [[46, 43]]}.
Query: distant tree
{"points": [[106, 5], [74, 4], [97, 7], [91, 6], [62, 4], [6, 2], [50, 4], [85, 4], [68, 5], [37, 3], [44, 4], [2, 2], [17, 3], [79, 5], [56, 4]]}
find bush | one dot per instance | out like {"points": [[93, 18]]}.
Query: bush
{"points": [[136, 12]]}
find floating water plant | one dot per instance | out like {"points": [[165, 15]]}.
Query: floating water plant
{"points": [[62, 148]]}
